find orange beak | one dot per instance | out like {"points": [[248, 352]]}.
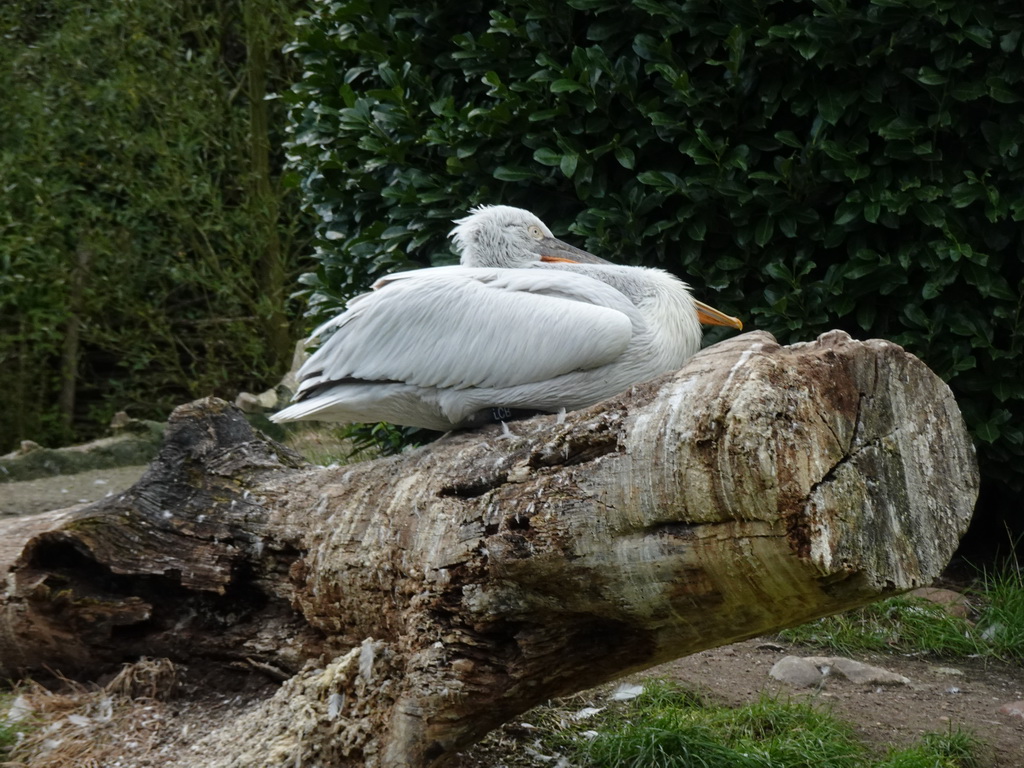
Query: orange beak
{"points": [[711, 316]]}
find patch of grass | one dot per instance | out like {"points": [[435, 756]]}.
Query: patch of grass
{"points": [[955, 749], [1001, 624], [668, 727], [12, 730], [913, 625], [8, 737], [903, 624]]}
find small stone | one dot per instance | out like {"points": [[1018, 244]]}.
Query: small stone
{"points": [[810, 671], [954, 602], [948, 671], [248, 403], [264, 401], [268, 399], [796, 671], [120, 421], [1013, 709], [865, 674]]}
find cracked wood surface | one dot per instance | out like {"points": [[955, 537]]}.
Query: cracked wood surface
{"points": [[420, 600]]}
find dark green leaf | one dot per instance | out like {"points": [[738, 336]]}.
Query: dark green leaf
{"points": [[987, 431], [916, 317], [789, 139], [779, 271], [546, 156], [1001, 91], [965, 193], [696, 229], [931, 214], [568, 164], [509, 173], [847, 212], [929, 76], [764, 230], [661, 179], [564, 86]]}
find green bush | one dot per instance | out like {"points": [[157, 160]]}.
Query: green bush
{"points": [[808, 165], [145, 242]]}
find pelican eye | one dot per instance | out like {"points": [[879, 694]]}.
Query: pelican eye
{"points": [[535, 232]]}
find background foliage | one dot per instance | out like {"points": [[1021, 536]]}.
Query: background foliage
{"points": [[807, 165], [146, 245]]}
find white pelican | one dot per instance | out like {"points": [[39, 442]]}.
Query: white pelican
{"points": [[526, 322]]}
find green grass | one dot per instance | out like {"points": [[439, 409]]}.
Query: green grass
{"points": [[900, 624], [913, 625], [669, 727], [955, 749], [1001, 624], [8, 731], [8, 738]]}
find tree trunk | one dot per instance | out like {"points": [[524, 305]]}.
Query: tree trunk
{"points": [[69, 351], [263, 198], [416, 602]]}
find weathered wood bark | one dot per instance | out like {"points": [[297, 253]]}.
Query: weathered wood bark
{"points": [[416, 602]]}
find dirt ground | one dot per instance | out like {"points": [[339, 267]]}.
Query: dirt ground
{"points": [[30, 496], [965, 694], [936, 699]]}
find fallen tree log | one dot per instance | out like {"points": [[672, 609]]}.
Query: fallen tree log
{"points": [[413, 603]]}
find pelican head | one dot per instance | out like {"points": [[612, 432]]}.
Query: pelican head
{"points": [[503, 236]]}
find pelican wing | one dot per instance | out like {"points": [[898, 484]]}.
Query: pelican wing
{"points": [[457, 327]]}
